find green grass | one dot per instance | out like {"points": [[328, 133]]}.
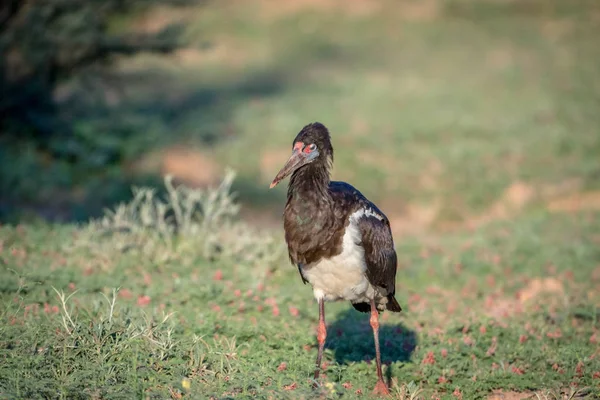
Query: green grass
{"points": [[144, 306], [448, 105], [434, 106]]}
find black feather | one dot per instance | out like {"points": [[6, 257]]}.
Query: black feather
{"points": [[317, 214]]}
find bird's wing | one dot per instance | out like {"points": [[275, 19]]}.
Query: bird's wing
{"points": [[301, 274], [376, 234], [378, 244]]}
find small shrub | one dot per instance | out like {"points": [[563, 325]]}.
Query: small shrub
{"points": [[186, 223]]}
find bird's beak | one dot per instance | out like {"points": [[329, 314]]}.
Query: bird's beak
{"points": [[297, 160]]}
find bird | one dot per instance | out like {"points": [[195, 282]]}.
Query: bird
{"points": [[340, 241]]}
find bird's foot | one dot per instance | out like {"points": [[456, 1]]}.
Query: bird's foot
{"points": [[381, 389]]}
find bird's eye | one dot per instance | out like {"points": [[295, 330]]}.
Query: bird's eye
{"points": [[310, 148]]}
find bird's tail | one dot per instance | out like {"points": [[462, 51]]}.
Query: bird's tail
{"points": [[392, 304]]}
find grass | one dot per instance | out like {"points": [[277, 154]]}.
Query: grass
{"points": [[147, 304], [473, 125], [423, 99]]}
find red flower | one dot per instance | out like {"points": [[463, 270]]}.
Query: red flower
{"points": [[522, 339], [468, 340], [143, 301], [429, 358], [517, 370], [555, 366], [554, 335], [457, 393], [294, 311], [218, 276], [282, 367]]}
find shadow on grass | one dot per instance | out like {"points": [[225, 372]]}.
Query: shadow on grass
{"points": [[350, 337], [90, 168], [113, 118]]}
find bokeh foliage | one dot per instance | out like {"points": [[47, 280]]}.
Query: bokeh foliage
{"points": [[42, 43]]}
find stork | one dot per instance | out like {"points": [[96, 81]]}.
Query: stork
{"points": [[340, 241]]}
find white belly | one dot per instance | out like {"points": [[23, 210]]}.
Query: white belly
{"points": [[342, 277]]}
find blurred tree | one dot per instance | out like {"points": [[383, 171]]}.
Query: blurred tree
{"points": [[43, 42]]}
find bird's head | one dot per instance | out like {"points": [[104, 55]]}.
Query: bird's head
{"points": [[311, 146]]}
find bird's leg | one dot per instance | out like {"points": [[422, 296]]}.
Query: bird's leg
{"points": [[321, 335], [381, 387]]}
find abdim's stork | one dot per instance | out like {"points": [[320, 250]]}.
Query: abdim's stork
{"points": [[340, 241]]}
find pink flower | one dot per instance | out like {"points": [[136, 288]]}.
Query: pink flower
{"points": [[554, 335], [143, 301], [522, 339], [294, 311], [218, 276], [492, 349], [271, 301], [429, 358], [517, 370], [468, 340], [457, 393]]}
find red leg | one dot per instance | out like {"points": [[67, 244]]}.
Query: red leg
{"points": [[381, 388], [321, 335]]}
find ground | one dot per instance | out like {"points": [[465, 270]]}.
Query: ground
{"points": [[474, 127], [128, 307]]}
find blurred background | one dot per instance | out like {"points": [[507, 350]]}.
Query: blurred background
{"points": [[447, 113]]}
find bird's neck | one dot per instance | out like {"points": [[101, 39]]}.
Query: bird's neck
{"points": [[310, 184]]}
